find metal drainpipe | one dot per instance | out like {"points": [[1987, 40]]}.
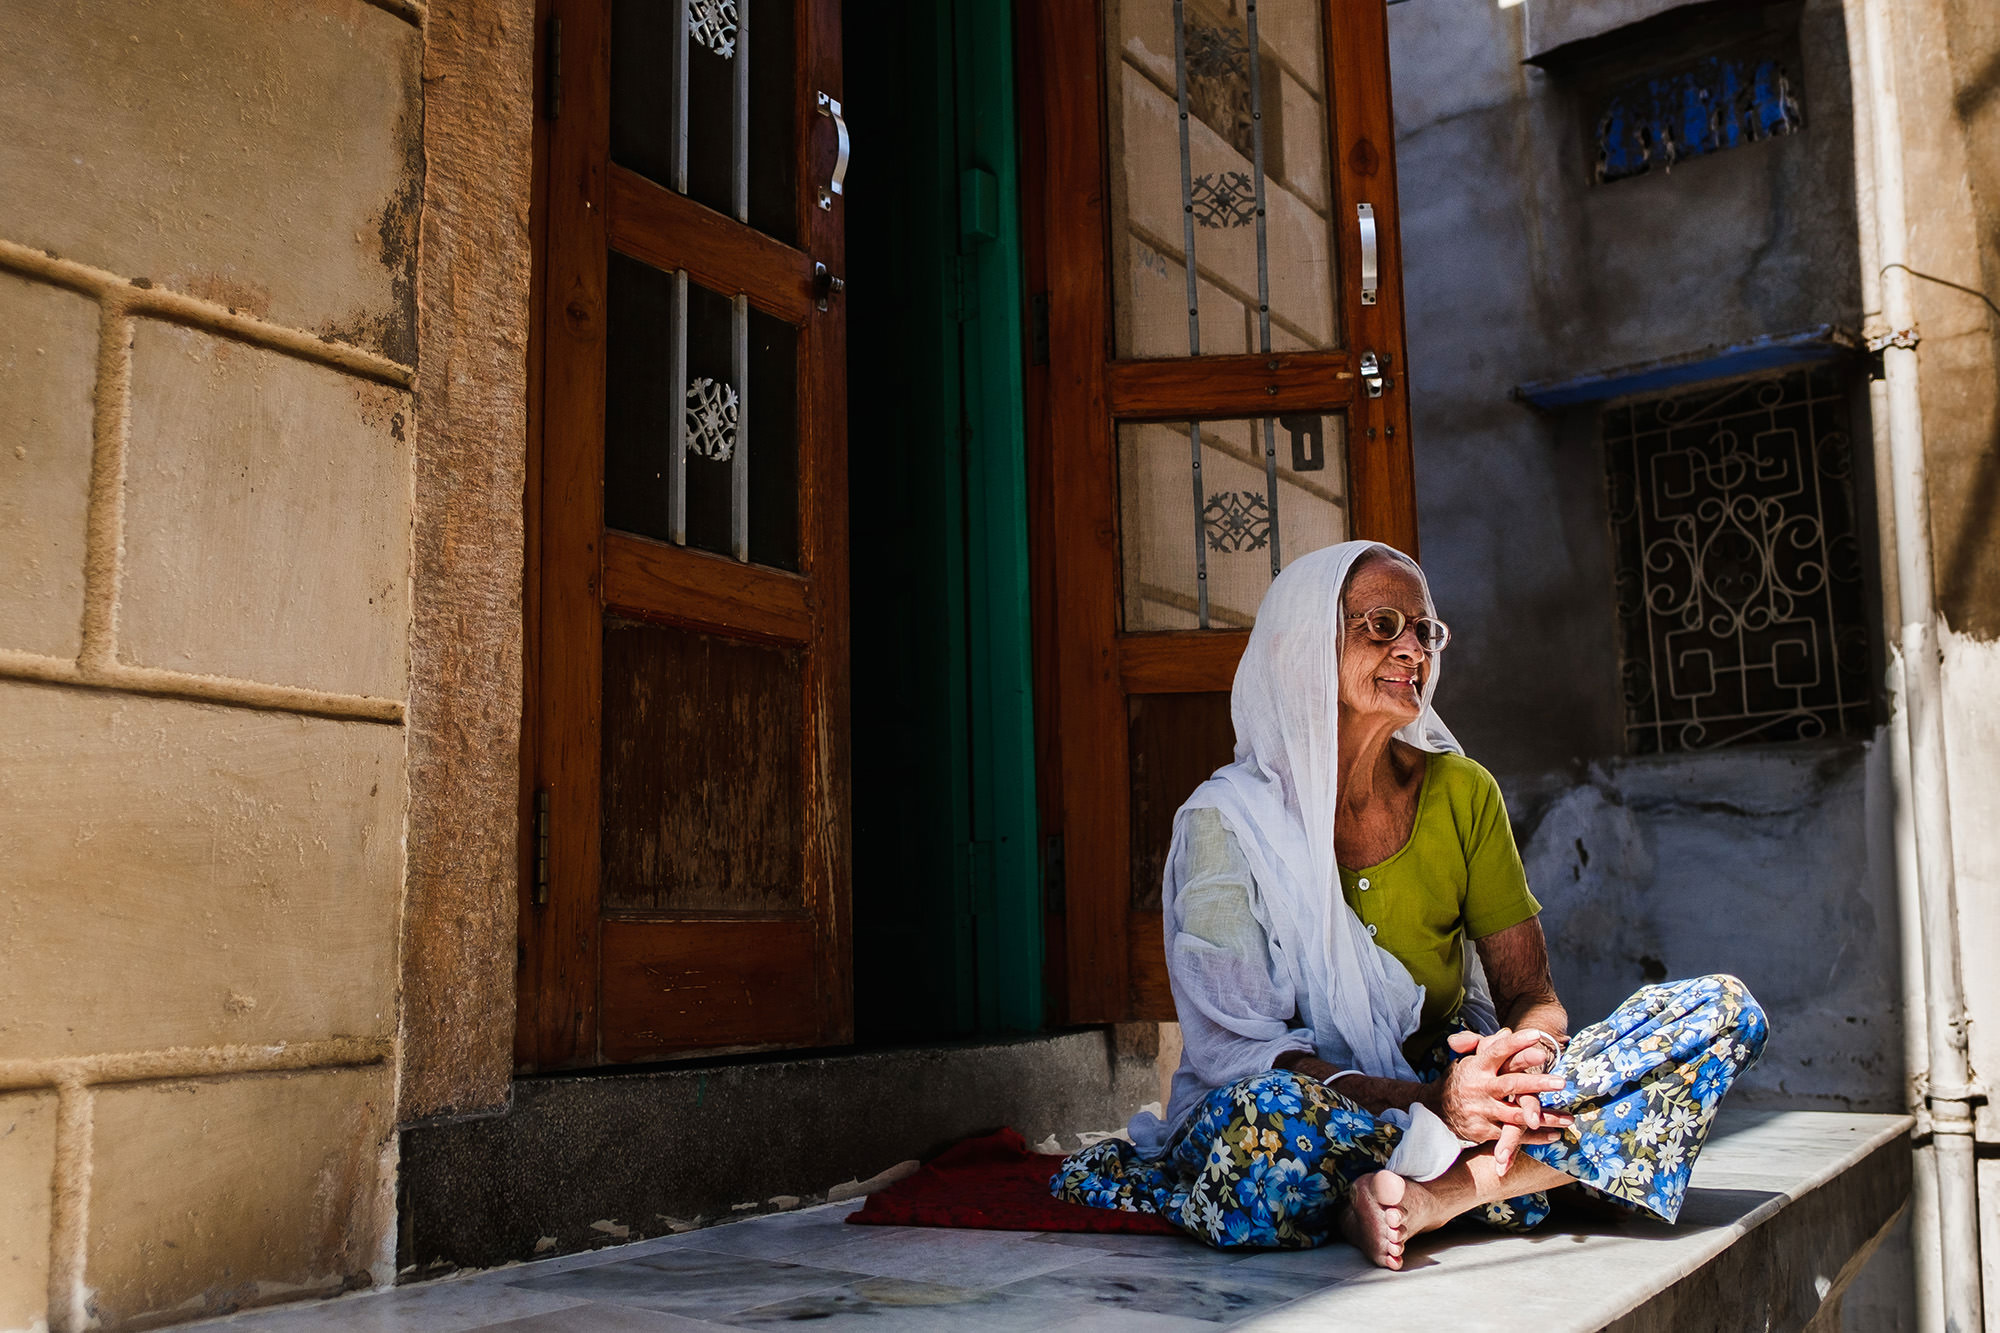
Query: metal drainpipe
{"points": [[1928, 1267], [1950, 1093]]}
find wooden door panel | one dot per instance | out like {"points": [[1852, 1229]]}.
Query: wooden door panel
{"points": [[1137, 629], [1175, 740], [711, 986], [1168, 663], [1151, 994], [703, 798]]}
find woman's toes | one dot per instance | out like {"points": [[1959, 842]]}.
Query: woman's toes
{"points": [[1375, 1218]]}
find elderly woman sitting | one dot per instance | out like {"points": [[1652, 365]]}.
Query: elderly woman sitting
{"points": [[1348, 1063]]}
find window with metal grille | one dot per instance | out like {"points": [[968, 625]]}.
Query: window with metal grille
{"points": [[1739, 574]]}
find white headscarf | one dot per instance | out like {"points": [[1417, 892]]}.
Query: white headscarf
{"points": [[1279, 798]]}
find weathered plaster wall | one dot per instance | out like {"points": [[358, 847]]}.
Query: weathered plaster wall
{"points": [[1517, 270], [1948, 77], [1774, 863], [208, 318], [1752, 863], [465, 639]]}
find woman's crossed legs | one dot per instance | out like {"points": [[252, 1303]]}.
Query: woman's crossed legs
{"points": [[1280, 1160]]}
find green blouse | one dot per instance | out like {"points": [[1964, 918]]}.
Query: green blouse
{"points": [[1458, 876]]}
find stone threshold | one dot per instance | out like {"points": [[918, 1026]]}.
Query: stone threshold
{"points": [[581, 1161], [1783, 1210]]}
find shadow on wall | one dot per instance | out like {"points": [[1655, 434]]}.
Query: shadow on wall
{"points": [[1969, 542], [1749, 861], [1966, 480]]}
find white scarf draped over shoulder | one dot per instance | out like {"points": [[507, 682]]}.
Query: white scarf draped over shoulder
{"points": [[1326, 987]]}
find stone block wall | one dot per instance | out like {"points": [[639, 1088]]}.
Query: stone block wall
{"points": [[208, 328]]}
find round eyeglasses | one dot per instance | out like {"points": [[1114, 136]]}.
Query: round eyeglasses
{"points": [[1385, 624]]}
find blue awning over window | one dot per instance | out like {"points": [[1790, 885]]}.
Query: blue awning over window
{"points": [[1758, 355]]}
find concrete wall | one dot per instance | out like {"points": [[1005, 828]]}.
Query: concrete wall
{"points": [[1948, 78], [1771, 862], [209, 465]]}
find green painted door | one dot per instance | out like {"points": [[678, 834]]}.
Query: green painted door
{"points": [[947, 885]]}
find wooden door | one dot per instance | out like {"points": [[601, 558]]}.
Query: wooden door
{"points": [[1202, 422], [686, 883]]}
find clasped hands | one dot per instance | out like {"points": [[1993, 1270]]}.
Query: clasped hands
{"points": [[1492, 1095]]}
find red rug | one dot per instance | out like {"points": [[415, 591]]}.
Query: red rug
{"points": [[993, 1183]]}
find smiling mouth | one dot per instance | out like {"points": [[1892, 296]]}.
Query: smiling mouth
{"points": [[1391, 680]]}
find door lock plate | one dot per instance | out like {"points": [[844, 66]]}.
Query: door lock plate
{"points": [[1371, 374], [825, 285]]}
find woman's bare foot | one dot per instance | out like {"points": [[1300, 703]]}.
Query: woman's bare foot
{"points": [[1384, 1213]]}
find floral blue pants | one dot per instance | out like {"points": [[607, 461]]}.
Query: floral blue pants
{"points": [[1270, 1160]]}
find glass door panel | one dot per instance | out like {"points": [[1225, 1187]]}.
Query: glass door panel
{"points": [[700, 418], [1210, 511], [1217, 119], [702, 103]]}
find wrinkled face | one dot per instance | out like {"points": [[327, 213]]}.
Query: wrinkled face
{"points": [[1384, 680]]}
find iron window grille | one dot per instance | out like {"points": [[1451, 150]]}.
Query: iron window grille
{"points": [[1740, 588]]}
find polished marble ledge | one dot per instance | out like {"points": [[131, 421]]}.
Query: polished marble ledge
{"points": [[1782, 1209]]}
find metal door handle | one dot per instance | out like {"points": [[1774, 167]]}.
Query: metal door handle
{"points": [[829, 107], [1370, 270], [1371, 372]]}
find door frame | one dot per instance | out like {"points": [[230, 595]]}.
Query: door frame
{"points": [[1107, 960]]}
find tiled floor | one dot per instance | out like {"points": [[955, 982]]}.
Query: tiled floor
{"points": [[809, 1267]]}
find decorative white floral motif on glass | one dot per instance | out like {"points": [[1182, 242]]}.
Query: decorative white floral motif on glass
{"points": [[711, 420], [713, 24]]}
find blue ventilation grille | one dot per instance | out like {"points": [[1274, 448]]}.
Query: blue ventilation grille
{"points": [[1720, 102]]}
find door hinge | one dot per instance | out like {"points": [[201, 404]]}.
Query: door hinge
{"points": [[1038, 329], [542, 847], [1054, 899], [553, 94]]}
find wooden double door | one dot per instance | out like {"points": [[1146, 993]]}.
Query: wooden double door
{"points": [[686, 850], [1215, 382]]}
